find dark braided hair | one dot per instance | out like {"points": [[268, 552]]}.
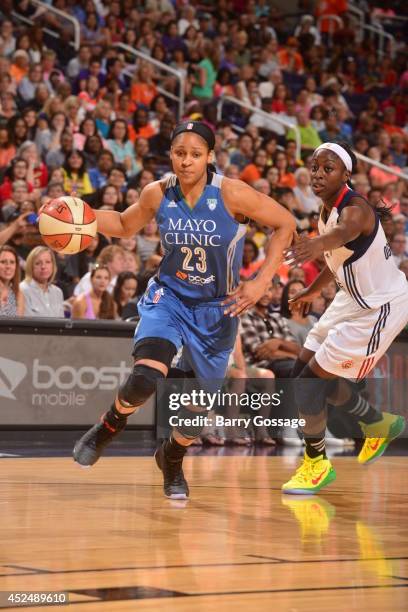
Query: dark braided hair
{"points": [[384, 212]]}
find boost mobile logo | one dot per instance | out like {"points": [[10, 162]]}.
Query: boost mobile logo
{"points": [[11, 375]]}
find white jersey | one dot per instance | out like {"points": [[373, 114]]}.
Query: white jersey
{"points": [[364, 268]]}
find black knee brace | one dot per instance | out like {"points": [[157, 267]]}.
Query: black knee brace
{"points": [[158, 349], [311, 391], [140, 385], [185, 426]]}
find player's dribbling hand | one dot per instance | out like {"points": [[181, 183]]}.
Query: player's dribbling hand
{"points": [[304, 249], [246, 295]]}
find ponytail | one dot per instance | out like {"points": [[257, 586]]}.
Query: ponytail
{"points": [[383, 211]]}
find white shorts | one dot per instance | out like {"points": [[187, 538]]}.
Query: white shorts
{"points": [[348, 341]]}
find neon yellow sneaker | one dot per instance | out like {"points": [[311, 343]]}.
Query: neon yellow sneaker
{"points": [[313, 514], [310, 477], [379, 435]]}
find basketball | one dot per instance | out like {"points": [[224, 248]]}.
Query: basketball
{"points": [[67, 225]]}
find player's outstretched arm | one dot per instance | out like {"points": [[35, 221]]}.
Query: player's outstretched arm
{"points": [[241, 199], [354, 220], [134, 218]]}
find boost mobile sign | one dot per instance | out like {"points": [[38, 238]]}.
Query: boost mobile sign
{"points": [[49, 380]]}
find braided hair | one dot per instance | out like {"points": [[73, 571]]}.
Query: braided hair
{"points": [[384, 212]]}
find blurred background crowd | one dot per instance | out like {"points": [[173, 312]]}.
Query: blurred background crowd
{"points": [[95, 118]]}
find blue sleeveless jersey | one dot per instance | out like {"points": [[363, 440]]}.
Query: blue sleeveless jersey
{"points": [[203, 245]]}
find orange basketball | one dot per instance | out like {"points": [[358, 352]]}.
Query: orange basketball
{"points": [[67, 225]]}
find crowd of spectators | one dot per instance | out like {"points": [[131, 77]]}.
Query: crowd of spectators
{"points": [[97, 122]]}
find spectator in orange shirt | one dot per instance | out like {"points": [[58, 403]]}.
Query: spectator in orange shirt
{"points": [[254, 171], [380, 178], [250, 261], [143, 89], [329, 7], [19, 67], [289, 59], [286, 179], [389, 123], [141, 127]]}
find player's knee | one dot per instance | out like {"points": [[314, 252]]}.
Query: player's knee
{"points": [[311, 391], [190, 424], [140, 385]]}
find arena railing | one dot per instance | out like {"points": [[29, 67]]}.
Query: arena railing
{"points": [[402, 175], [359, 16], [372, 162], [286, 124], [332, 19], [50, 9], [378, 30], [372, 30], [161, 66]]}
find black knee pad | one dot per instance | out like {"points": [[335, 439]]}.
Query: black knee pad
{"points": [[185, 426], [139, 386], [158, 349], [311, 391]]}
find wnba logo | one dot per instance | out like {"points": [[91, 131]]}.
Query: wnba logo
{"points": [[347, 364]]}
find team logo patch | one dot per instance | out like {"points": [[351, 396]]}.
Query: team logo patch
{"points": [[347, 364], [181, 275], [212, 203], [157, 295]]}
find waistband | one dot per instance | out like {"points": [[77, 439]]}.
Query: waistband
{"points": [[191, 302]]}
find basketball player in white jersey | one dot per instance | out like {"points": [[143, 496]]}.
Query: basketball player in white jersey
{"points": [[368, 312]]}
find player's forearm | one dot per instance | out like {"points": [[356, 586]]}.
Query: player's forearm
{"points": [[337, 238], [325, 276], [110, 223], [281, 240]]}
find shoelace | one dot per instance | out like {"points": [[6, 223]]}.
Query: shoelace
{"points": [[305, 470]]}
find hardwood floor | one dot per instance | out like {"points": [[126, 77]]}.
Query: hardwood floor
{"points": [[110, 539]]}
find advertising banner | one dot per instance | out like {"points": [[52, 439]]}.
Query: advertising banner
{"points": [[62, 380]]}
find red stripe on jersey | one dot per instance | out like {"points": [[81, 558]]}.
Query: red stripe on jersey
{"points": [[341, 196]]}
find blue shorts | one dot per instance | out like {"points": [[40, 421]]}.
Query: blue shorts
{"points": [[205, 333]]}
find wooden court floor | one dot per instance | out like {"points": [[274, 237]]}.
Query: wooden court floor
{"points": [[108, 537]]}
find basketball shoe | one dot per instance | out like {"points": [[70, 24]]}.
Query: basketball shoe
{"points": [[310, 477], [378, 436], [175, 485], [313, 514], [89, 448]]}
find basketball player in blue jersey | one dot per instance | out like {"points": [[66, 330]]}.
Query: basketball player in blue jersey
{"points": [[369, 310], [194, 300]]}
